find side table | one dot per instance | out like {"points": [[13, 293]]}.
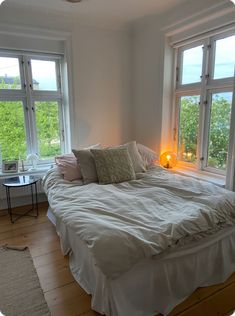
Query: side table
{"points": [[19, 182]]}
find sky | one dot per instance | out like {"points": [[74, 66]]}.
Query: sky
{"points": [[43, 71], [224, 61]]}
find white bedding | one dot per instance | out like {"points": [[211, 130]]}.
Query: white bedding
{"points": [[125, 223]]}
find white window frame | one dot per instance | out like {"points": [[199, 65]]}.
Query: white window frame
{"points": [[28, 96], [204, 88]]}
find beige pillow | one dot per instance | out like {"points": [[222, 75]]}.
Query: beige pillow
{"points": [[87, 164], [148, 156], [113, 165], [136, 159]]}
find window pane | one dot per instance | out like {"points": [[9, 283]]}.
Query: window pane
{"points": [[44, 75], [224, 58], [12, 131], [9, 73], [48, 131], [219, 130], [192, 65], [188, 128]]}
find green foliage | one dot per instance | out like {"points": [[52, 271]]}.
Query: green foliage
{"points": [[13, 135], [188, 132], [218, 132], [47, 118], [12, 131]]}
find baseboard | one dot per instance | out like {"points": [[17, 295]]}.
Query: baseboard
{"points": [[43, 204]]}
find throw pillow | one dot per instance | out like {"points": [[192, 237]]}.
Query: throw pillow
{"points": [[113, 165]]}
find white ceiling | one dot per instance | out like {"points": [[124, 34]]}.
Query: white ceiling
{"points": [[120, 11]]}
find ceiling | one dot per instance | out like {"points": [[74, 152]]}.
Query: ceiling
{"points": [[120, 11]]}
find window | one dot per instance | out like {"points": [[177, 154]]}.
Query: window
{"points": [[31, 116], [204, 92]]}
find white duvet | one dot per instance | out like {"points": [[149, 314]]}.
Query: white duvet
{"points": [[127, 222]]}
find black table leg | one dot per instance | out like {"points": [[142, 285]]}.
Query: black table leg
{"points": [[9, 203], [34, 200], [36, 197]]}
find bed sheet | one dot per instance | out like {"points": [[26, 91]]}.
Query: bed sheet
{"points": [[142, 218], [154, 285]]}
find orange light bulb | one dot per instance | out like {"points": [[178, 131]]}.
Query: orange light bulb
{"points": [[168, 159]]}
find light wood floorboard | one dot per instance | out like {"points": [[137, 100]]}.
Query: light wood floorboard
{"points": [[66, 298]]}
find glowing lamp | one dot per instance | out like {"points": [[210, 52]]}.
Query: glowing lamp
{"points": [[168, 159]]}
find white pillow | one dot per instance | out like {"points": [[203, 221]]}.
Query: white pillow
{"points": [[136, 158], [149, 156]]}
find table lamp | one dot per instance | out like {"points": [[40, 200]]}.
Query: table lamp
{"points": [[168, 159]]}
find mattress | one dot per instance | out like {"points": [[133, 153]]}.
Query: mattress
{"points": [[153, 283]]}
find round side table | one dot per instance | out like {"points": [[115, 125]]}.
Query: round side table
{"points": [[19, 182]]}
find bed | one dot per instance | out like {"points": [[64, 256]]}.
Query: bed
{"points": [[141, 247]]}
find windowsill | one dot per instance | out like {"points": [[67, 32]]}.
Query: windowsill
{"points": [[201, 175], [40, 170]]}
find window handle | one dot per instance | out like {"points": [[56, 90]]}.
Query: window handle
{"points": [[31, 86], [206, 76]]}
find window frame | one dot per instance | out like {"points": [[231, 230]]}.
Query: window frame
{"points": [[204, 88], [205, 146], [28, 96], [179, 70]]}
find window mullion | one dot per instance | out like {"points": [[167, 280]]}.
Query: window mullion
{"points": [[205, 143], [204, 108], [25, 102], [30, 107], [27, 126], [62, 129]]}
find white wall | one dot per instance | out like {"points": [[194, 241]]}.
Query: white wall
{"points": [[101, 75], [101, 93], [101, 87], [152, 64]]}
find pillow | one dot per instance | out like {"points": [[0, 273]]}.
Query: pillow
{"points": [[86, 163], [113, 165], [136, 159], [149, 156], [68, 167]]}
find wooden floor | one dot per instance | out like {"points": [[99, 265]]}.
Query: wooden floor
{"points": [[66, 298]]}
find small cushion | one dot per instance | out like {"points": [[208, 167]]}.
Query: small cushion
{"points": [[86, 162], [149, 156], [136, 159], [68, 167], [113, 165]]}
